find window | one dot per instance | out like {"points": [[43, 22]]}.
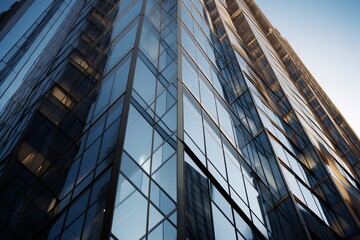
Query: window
{"points": [[80, 63], [32, 159], [62, 97]]}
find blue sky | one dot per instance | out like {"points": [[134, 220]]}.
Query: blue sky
{"points": [[326, 36]]}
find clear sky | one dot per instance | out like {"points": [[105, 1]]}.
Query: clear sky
{"points": [[326, 36]]}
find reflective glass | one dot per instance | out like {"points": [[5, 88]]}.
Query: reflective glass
{"points": [[161, 199], [123, 44], [187, 42], [125, 18], [243, 227], [225, 119], [154, 216], [165, 231], [109, 140], [222, 227], [186, 17], [166, 177], [89, 160], [214, 150], [77, 207], [254, 199], [150, 41], [135, 174], [144, 82], [138, 128], [207, 97], [74, 230], [189, 75], [193, 122], [130, 214], [221, 202], [236, 179], [120, 79], [161, 155]]}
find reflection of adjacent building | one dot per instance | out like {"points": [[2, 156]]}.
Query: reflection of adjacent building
{"points": [[19, 59], [37, 163], [199, 224], [9, 17]]}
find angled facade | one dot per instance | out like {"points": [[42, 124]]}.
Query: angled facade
{"points": [[174, 119]]}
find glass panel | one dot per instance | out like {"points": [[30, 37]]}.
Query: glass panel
{"points": [[70, 178], [150, 41], [214, 150], [225, 120], [186, 17], [62, 97], [243, 227], [221, 202], [173, 218], [129, 221], [154, 216], [89, 160], [164, 102], [170, 119], [138, 128], [144, 82], [123, 5], [114, 112], [187, 42], [77, 207], [254, 199], [202, 62], [120, 80], [192, 121], [207, 97], [293, 184], [161, 199], [199, 223], [32, 159], [56, 228], [109, 140], [166, 177], [223, 228], [161, 155], [236, 179], [189, 75], [95, 131], [126, 18], [165, 231], [135, 174], [99, 187], [74, 231], [122, 45], [93, 224]]}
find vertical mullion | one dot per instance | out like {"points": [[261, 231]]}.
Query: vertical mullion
{"points": [[113, 182]]}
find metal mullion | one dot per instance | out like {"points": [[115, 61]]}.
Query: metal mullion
{"points": [[108, 215], [181, 188], [218, 186]]}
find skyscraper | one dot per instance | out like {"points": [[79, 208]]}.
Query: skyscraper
{"points": [[147, 119]]}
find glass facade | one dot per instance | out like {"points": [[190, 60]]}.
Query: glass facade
{"points": [[174, 119]]}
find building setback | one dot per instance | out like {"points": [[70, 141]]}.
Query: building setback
{"points": [[174, 119]]}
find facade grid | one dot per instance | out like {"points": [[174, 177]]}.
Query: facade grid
{"points": [[167, 119]]}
